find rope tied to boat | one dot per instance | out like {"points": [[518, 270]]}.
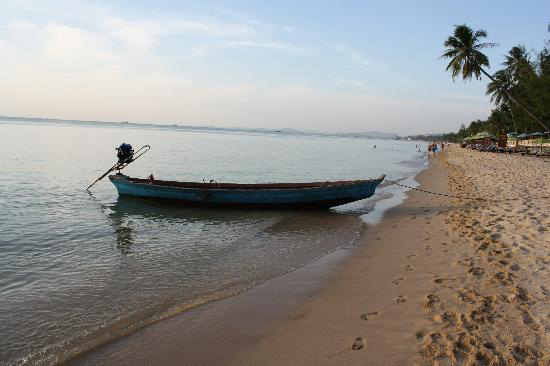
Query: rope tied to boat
{"points": [[436, 193], [458, 197]]}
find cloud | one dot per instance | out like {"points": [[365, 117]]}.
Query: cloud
{"points": [[139, 36], [142, 35], [288, 29], [212, 28], [351, 84], [356, 58], [266, 44]]}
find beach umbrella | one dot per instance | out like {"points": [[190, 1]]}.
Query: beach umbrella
{"points": [[484, 134]]}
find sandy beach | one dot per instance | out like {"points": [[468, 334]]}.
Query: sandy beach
{"points": [[440, 281]]}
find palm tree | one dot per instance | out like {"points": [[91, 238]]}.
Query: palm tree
{"points": [[503, 81], [463, 48], [518, 63]]}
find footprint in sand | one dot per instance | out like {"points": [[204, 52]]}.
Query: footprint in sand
{"points": [[431, 300], [397, 281], [476, 271], [503, 262], [411, 255], [358, 344], [409, 267], [420, 335], [400, 299], [524, 354], [443, 281], [369, 316]]}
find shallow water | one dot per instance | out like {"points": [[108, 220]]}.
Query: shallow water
{"points": [[79, 269]]}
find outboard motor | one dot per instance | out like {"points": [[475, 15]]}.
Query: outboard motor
{"points": [[125, 153]]}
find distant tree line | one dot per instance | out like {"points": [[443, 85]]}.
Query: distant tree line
{"points": [[519, 91]]}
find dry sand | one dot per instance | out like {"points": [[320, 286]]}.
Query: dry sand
{"points": [[440, 281]]}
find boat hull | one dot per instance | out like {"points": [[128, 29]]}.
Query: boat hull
{"points": [[279, 196]]}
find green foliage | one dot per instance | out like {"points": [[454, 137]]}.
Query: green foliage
{"points": [[522, 77], [463, 48]]}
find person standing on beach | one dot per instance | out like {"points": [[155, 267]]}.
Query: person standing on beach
{"points": [[434, 148]]}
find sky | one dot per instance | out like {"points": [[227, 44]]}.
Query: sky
{"points": [[337, 66]]}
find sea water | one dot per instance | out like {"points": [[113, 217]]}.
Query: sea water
{"points": [[79, 269]]}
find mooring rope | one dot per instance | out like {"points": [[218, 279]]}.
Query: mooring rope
{"points": [[436, 193], [460, 197]]}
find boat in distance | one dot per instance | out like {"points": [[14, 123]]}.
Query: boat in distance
{"points": [[315, 195]]}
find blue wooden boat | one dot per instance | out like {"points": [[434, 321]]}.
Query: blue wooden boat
{"points": [[316, 195]]}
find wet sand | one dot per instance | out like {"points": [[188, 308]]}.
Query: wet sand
{"points": [[438, 281], [216, 332]]}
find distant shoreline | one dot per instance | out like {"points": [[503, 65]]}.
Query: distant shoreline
{"points": [[176, 126]]}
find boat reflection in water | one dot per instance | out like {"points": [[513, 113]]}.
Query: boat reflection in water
{"points": [[123, 229], [156, 225]]}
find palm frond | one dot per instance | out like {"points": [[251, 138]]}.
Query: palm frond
{"points": [[453, 42], [485, 45], [481, 33], [450, 53], [463, 50], [480, 58]]}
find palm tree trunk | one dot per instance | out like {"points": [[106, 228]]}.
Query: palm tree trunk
{"points": [[515, 100], [514, 122]]}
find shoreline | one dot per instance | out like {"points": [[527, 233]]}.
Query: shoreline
{"points": [[370, 304], [223, 325], [444, 281], [293, 288], [438, 280]]}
